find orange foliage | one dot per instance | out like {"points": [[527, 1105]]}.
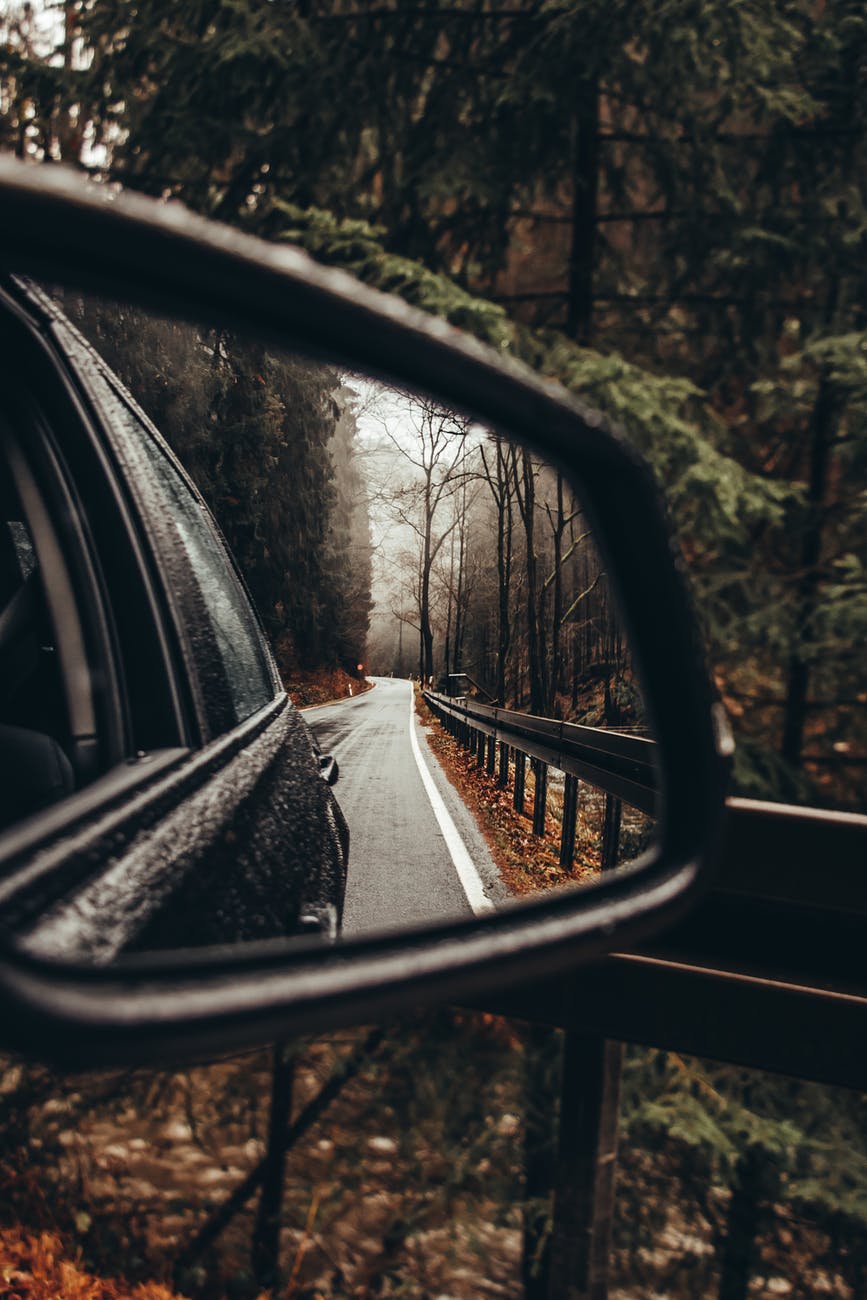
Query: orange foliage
{"points": [[37, 1268]]}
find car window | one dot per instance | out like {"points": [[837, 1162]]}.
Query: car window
{"points": [[239, 641], [224, 643]]}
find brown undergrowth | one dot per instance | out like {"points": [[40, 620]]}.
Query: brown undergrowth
{"points": [[321, 685], [527, 863], [403, 1175]]}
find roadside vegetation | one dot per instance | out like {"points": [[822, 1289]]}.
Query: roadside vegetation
{"points": [[409, 1182]]}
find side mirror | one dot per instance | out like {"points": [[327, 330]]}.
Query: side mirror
{"points": [[103, 888]]}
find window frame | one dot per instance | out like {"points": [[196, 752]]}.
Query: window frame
{"points": [[196, 626], [66, 487]]}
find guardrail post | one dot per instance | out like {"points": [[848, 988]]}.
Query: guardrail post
{"points": [[481, 745], [503, 773], [611, 832], [541, 770], [520, 777], [570, 815], [492, 755]]}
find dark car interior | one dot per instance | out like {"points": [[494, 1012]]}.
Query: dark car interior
{"points": [[34, 730], [67, 655]]}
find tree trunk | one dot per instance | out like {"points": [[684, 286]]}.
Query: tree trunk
{"points": [[586, 1169], [527, 504], [266, 1230], [449, 610], [755, 1185], [823, 424], [541, 1055], [426, 629], [504, 582], [557, 608], [584, 204], [460, 611], [500, 481]]}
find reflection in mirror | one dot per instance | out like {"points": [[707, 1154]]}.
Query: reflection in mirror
{"points": [[435, 605]]}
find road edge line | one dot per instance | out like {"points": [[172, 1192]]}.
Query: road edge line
{"points": [[471, 881]]}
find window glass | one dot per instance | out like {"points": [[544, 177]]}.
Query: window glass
{"points": [[234, 625], [241, 681]]}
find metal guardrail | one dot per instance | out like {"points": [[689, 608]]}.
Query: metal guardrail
{"points": [[622, 766]]}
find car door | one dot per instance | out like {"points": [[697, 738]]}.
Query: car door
{"points": [[189, 806]]}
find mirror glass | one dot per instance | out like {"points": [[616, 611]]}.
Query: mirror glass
{"points": [[466, 705]]}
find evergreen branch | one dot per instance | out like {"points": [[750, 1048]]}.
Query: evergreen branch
{"points": [[421, 11], [600, 218], [730, 137], [651, 299]]}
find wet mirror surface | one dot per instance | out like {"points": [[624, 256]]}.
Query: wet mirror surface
{"points": [[435, 606]]}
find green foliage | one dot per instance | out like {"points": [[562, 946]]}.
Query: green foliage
{"points": [[812, 1137], [358, 247], [709, 492]]}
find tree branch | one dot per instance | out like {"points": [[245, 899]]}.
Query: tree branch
{"points": [[578, 599]]}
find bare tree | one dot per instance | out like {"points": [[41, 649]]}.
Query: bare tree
{"points": [[525, 495], [432, 441], [499, 468]]}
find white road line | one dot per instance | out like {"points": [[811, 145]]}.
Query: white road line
{"points": [[464, 865]]}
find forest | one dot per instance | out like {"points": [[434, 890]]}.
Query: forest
{"points": [[485, 572], [268, 438], [661, 207], [664, 215]]}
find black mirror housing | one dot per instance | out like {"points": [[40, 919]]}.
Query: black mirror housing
{"points": [[58, 227]]}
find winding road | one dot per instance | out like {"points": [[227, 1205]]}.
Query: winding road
{"points": [[416, 855]]}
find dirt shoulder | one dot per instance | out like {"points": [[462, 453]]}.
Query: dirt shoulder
{"points": [[323, 685], [526, 862]]}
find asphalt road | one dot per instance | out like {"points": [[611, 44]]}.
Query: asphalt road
{"points": [[416, 855]]}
